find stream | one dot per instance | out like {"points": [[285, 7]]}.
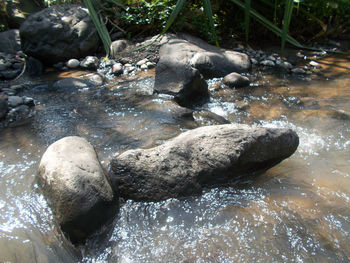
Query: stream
{"points": [[298, 211]]}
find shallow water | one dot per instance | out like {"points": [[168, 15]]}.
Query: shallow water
{"points": [[297, 211]]}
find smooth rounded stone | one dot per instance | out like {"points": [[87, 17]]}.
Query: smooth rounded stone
{"points": [[236, 80], [118, 46], [298, 71], [10, 41], [97, 79], [286, 65], [143, 67], [203, 157], [90, 62], [14, 101], [315, 64], [73, 63], [76, 188], [142, 62], [72, 83], [59, 33], [267, 63], [117, 69], [3, 106]]}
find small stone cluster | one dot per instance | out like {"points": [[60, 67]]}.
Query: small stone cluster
{"points": [[10, 66], [15, 108]]}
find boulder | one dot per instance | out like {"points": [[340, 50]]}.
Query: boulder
{"points": [[59, 33], [183, 60], [236, 80], [201, 157], [79, 194], [10, 41]]}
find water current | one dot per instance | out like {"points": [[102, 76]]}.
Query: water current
{"points": [[298, 211]]}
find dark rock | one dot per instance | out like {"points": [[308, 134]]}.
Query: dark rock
{"points": [[3, 106], [79, 194], [34, 67], [236, 80], [59, 33], [19, 114], [9, 74], [10, 41], [201, 157]]}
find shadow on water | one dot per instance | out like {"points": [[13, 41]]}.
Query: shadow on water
{"points": [[297, 211]]}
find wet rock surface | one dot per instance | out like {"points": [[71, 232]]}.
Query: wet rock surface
{"points": [[236, 80], [78, 192], [59, 33], [201, 157]]}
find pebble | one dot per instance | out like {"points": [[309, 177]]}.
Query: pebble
{"points": [[73, 63], [315, 64], [141, 62], [298, 71], [117, 69], [144, 66], [90, 62], [150, 64]]}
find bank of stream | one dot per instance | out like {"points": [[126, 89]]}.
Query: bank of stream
{"points": [[297, 211]]}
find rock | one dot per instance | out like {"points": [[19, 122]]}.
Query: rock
{"points": [[186, 84], [79, 194], [20, 113], [10, 41], [236, 80], [254, 61], [286, 65], [184, 60], [150, 65], [205, 117], [73, 63], [118, 46], [142, 62], [59, 33], [201, 157], [143, 67], [10, 74], [3, 106], [72, 83], [90, 62], [298, 71], [14, 101], [315, 64], [117, 69], [97, 79], [28, 101], [267, 63]]}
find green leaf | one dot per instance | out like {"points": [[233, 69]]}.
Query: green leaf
{"points": [[173, 15], [100, 26], [288, 9], [117, 3], [209, 12]]}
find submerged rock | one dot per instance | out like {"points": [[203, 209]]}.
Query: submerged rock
{"points": [[201, 157], [236, 80], [78, 192]]}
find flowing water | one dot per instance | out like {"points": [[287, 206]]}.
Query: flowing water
{"points": [[298, 211]]}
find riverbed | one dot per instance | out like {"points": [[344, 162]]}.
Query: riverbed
{"points": [[298, 211]]}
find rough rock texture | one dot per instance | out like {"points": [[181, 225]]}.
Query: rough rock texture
{"points": [[59, 33], [236, 80], [10, 41], [78, 192], [201, 157], [184, 63]]}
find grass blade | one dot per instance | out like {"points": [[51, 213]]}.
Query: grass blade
{"points": [[117, 3], [247, 19], [209, 12], [288, 9], [173, 15], [100, 26]]}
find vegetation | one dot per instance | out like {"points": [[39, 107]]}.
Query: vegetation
{"points": [[217, 20]]}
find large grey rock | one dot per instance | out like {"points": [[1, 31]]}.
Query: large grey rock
{"points": [[201, 157], [184, 60], [78, 192], [10, 41], [59, 33]]}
